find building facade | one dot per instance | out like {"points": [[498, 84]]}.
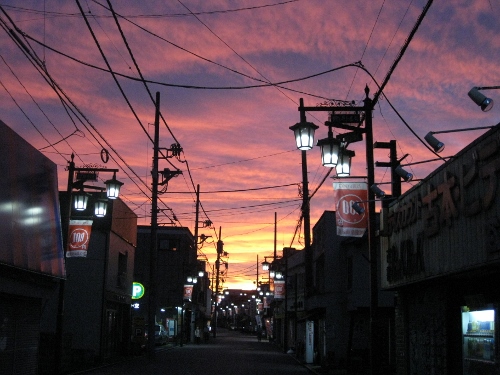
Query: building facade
{"points": [[98, 288], [442, 256], [176, 261], [331, 326], [31, 253]]}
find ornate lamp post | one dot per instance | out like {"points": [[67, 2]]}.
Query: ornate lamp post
{"points": [[79, 201], [342, 115]]}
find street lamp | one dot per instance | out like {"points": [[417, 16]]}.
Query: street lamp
{"points": [[265, 265], [342, 115], [80, 200], [304, 134], [343, 167]]}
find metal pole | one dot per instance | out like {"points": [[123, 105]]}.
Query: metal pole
{"points": [[306, 214], [285, 328], [197, 218], [257, 280], [217, 267], [154, 227], [372, 224], [395, 179], [59, 353], [275, 234]]}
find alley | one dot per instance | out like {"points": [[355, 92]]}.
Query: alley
{"points": [[230, 352]]}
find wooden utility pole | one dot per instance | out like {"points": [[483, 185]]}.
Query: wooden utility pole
{"points": [[220, 250], [153, 251]]}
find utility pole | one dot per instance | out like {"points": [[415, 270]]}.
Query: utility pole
{"points": [[257, 280], [154, 227], [275, 235], [197, 218], [220, 250]]}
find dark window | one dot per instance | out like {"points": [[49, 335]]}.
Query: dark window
{"points": [[167, 245]]}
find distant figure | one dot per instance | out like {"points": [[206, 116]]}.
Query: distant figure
{"points": [[259, 334], [197, 334], [206, 334]]}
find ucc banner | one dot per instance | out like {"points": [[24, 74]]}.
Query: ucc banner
{"points": [[349, 222], [279, 289], [188, 292], [78, 238]]}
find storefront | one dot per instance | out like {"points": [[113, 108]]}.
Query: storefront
{"points": [[441, 253]]}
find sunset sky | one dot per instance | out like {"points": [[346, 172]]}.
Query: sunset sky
{"points": [[213, 62]]}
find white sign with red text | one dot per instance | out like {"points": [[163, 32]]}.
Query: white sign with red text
{"points": [[349, 222]]}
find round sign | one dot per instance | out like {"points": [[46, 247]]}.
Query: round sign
{"points": [[345, 211], [137, 290], [79, 239]]}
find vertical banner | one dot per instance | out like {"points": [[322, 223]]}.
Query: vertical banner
{"points": [[279, 289], [188, 292], [78, 238], [349, 222], [309, 341]]}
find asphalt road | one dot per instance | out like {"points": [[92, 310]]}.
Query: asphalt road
{"points": [[228, 354]]}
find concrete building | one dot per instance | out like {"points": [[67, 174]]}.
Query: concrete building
{"points": [[442, 256], [176, 261], [31, 253], [97, 292], [330, 327]]}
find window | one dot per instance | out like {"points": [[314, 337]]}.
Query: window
{"points": [[167, 245]]}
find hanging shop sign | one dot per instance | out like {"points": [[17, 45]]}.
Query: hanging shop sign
{"points": [[188, 292], [279, 289], [349, 222], [78, 238]]}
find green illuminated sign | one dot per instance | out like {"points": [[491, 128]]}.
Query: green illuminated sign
{"points": [[137, 290]]}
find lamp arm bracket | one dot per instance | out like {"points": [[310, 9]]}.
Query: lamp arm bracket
{"points": [[99, 188], [346, 127], [487, 88]]}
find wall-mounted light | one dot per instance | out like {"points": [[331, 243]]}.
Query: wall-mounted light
{"points": [[358, 208], [407, 176], [481, 100], [379, 193], [434, 142]]}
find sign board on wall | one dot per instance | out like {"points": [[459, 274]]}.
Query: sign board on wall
{"points": [[137, 290], [449, 222]]}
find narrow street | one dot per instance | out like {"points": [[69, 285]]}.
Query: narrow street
{"points": [[229, 353]]}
